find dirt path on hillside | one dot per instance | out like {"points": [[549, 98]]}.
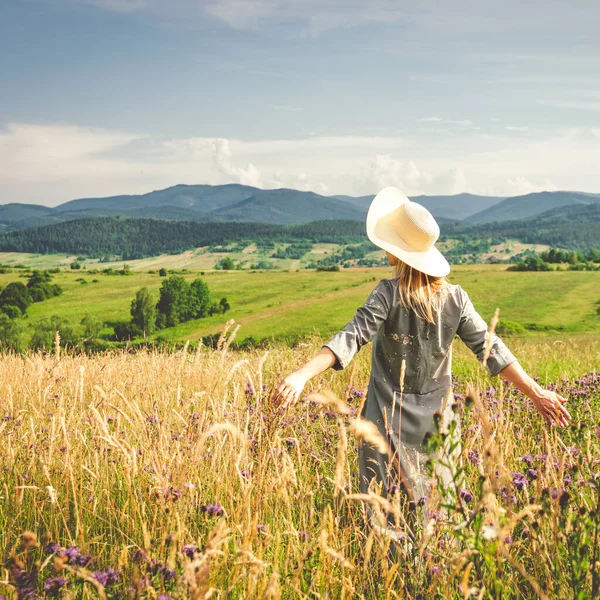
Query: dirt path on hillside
{"points": [[369, 285]]}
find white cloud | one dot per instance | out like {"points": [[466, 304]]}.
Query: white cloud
{"points": [[50, 164], [384, 170], [430, 119], [519, 186], [453, 181]]}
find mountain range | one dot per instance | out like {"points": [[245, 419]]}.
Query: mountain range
{"points": [[235, 203]]}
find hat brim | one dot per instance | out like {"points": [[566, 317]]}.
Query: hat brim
{"points": [[383, 235]]}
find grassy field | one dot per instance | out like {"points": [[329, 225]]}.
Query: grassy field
{"points": [[205, 259], [155, 475], [198, 259], [292, 304]]}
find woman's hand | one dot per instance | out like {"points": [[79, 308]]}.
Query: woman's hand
{"points": [[289, 390], [551, 406]]}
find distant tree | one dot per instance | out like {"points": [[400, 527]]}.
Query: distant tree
{"points": [[226, 264], [126, 331], [16, 294], [143, 311], [174, 304], [45, 332], [224, 305], [531, 263], [200, 299], [11, 311], [40, 286], [163, 272], [10, 334], [37, 277], [92, 326], [75, 265]]}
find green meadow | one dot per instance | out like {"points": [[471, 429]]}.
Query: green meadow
{"points": [[289, 305]]}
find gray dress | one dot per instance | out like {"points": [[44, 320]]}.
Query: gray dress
{"points": [[405, 415]]}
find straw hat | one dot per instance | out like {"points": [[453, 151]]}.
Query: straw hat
{"points": [[407, 230]]}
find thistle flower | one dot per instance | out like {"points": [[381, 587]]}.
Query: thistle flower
{"points": [[527, 458], [213, 510], [53, 585], [73, 553], [466, 495], [108, 577], [52, 548], [190, 550], [519, 480], [139, 556]]}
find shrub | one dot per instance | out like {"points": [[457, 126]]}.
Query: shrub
{"points": [[510, 328], [45, 332]]}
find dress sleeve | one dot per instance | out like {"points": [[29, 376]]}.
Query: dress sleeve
{"points": [[363, 327], [473, 331]]}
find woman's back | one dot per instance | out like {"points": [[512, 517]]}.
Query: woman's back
{"points": [[426, 348]]}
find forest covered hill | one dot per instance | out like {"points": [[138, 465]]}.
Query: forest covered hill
{"points": [[573, 227]]}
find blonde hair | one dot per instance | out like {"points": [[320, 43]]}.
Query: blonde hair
{"points": [[420, 292]]}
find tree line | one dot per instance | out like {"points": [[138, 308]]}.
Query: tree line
{"points": [[133, 238]]}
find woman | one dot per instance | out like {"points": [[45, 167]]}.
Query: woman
{"points": [[413, 319]]}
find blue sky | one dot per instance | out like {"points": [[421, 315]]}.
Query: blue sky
{"points": [[105, 97]]}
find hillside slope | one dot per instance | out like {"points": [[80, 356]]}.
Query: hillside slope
{"points": [[530, 205], [136, 238], [574, 227]]}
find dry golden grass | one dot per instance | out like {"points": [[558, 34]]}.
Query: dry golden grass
{"points": [[126, 452]]}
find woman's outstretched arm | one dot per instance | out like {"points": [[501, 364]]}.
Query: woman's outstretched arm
{"points": [[549, 404], [340, 349], [291, 387]]}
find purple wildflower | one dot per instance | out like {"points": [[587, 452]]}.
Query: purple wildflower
{"points": [[25, 582], [466, 495], [213, 510], [139, 556], [165, 597], [190, 550], [108, 577], [73, 553], [172, 494], [435, 571], [262, 528], [474, 457], [519, 480], [508, 540], [52, 548], [152, 419], [527, 458], [53, 585], [598, 430], [532, 474], [303, 535]]}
